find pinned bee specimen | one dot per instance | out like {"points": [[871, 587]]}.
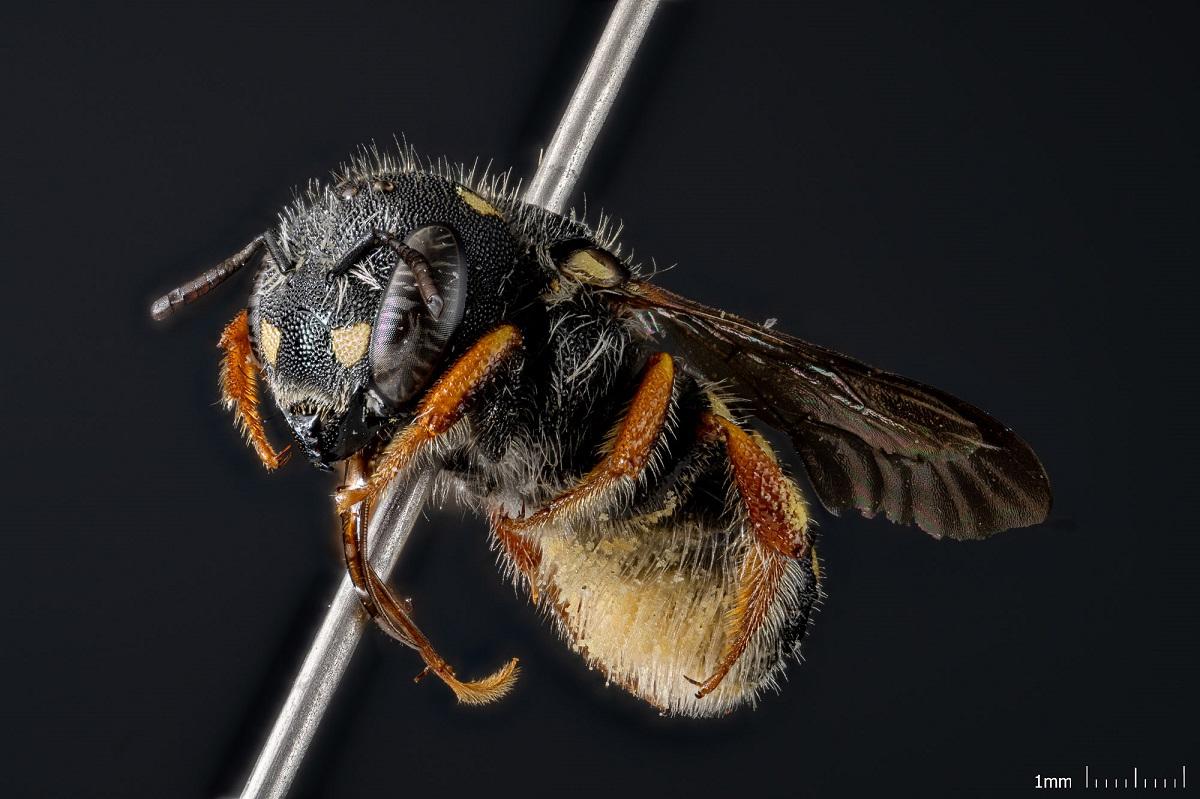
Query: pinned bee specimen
{"points": [[408, 316]]}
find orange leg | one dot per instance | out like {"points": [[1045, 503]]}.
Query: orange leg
{"points": [[773, 503], [394, 615], [639, 430], [444, 405], [525, 555], [239, 389], [778, 522]]}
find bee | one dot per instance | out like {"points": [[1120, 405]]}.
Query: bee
{"points": [[407, 316]]}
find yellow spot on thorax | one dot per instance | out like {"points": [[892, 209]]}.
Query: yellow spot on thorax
{"points": [[477, 203], [595, 268]]}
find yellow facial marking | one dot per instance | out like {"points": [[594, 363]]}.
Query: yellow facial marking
{"points": [[477, 203], [595, 268], [350, 343], [268, 341]]}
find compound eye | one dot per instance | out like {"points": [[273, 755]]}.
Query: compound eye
{"points": [[406, 342]]}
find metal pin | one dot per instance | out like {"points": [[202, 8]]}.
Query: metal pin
{"points": [[390, 525], [594, 96]]}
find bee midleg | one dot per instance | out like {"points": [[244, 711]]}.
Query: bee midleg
{"points": [[778, 521], [239, 389], [524, 555], [639, 431], [440, 409]]}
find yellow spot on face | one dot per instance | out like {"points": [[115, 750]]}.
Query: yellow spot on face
{"points": [[268, 341], [594, 267], [477, 203], [350, 343]]}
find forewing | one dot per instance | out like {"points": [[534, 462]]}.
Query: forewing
{"points": [[870, 440]]}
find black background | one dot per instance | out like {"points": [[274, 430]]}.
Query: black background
{"points": [[1000, 201]]}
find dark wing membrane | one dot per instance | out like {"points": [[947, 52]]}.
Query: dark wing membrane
{"points": [[870, 440]]}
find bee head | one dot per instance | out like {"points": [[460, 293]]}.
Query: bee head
{"points": [[348, 333]]}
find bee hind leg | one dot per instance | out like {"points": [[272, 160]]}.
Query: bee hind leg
{"points": [[777, 521]]}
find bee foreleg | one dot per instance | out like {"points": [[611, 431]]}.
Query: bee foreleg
{"points": [[442, 406], [778, 523], [239, 389], [393, 614]]}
